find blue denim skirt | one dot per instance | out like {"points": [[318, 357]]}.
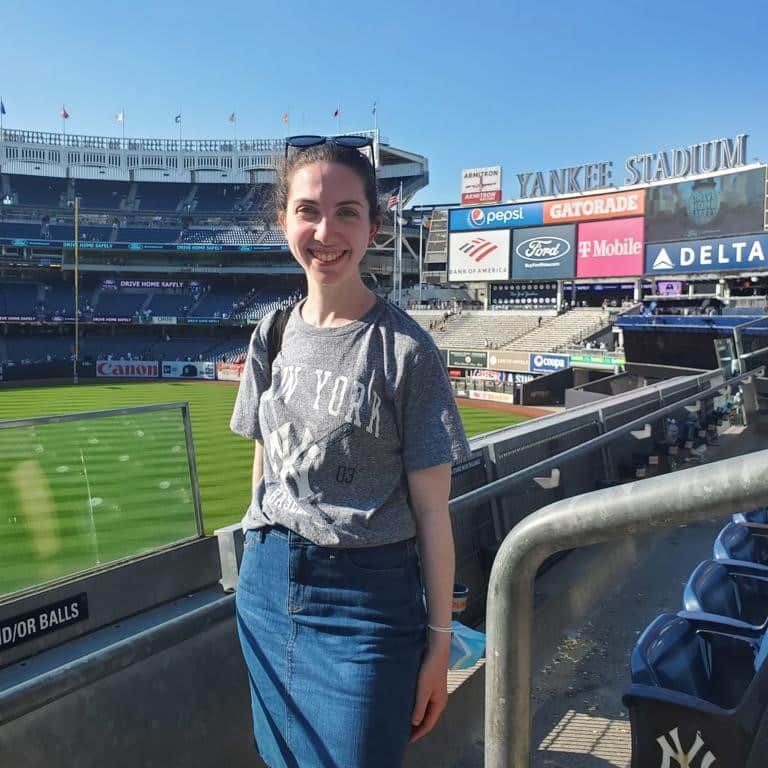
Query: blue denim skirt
{"points": [[333, 641]]}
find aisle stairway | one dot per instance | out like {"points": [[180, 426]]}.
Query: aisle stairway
{"points": [[558, 332]]}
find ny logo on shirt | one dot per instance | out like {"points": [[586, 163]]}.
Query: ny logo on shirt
{"points": [[292, 459]]}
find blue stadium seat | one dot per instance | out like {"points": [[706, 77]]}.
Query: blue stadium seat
{"points": [[759, 516], [696, 693], [730, 592], [737, 541]]}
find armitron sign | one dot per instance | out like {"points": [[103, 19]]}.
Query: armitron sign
{"points": [[481, 185], [128, 369]]}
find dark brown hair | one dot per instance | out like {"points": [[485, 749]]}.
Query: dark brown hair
{"points": [[329, 152]]}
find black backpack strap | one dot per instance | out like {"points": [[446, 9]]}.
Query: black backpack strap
{"points": [[275, 334]]}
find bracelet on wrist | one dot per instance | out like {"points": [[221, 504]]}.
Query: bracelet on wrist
{"points": [[446, 630]]}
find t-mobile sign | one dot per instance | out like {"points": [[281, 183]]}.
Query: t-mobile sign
{"points": [[610, 248]]}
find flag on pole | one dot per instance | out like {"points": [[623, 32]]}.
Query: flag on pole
{"points": [[285, 118], [233, 118], [64, 114], [393, 200], [337, 112], [120, 116], [177, 119], [2, 108], [373, 108]]}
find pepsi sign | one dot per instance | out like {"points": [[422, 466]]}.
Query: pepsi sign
{"points": [[723, 254], [540, 253], [545, 362], [496, 217]]}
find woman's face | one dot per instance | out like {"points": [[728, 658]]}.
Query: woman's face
{"points": [[327, 222]]}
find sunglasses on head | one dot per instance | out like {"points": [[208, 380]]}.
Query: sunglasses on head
{"points": [[348, 142]]}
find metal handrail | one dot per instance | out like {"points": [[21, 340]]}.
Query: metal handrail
{"points": [[502, 485], [695, 494]]}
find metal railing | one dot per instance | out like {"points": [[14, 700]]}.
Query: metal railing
{"points": [[503, 485], [697, 494], [579, 521]]}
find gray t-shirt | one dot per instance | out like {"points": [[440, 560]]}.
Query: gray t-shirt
{"points": [[350, 410]]}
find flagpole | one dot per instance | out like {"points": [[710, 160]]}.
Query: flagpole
{"points": [[375, 118], [2, 112], [122, 125], [400, 242], [421, 258], [76, 357]]}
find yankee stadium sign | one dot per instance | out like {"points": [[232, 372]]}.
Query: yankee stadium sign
{"points": [[722, 254], [705, 157]]}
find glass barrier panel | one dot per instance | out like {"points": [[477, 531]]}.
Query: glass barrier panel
{"points": [[80, 493]]}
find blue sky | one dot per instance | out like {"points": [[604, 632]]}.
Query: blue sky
{"points": [[527, 86]]}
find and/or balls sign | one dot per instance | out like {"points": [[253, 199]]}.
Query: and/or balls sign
{"points": [[24, 627]]}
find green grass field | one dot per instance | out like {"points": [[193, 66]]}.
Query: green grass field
{"points": [[126, 460]]}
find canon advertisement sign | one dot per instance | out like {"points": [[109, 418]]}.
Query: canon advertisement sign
{"points": [[543, 252], [610, 248], [128, 369]]}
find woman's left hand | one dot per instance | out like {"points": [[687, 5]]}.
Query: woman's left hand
{"points": [[431, 692]]}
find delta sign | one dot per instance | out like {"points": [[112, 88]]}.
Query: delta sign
{"points": [[723, 254]]}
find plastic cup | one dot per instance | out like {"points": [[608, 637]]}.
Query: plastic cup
{"points": [[460, 595]]}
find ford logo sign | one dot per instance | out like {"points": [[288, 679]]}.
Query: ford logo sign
{"points": [[543, 248]]}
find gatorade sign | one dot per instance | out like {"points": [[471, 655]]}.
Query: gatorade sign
{"points": [[723, 254], [613, 206]]}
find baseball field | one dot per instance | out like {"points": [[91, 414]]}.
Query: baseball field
{"points": [[77, 494]]}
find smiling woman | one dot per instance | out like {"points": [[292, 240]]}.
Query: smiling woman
{"points": [[355, 430]]}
